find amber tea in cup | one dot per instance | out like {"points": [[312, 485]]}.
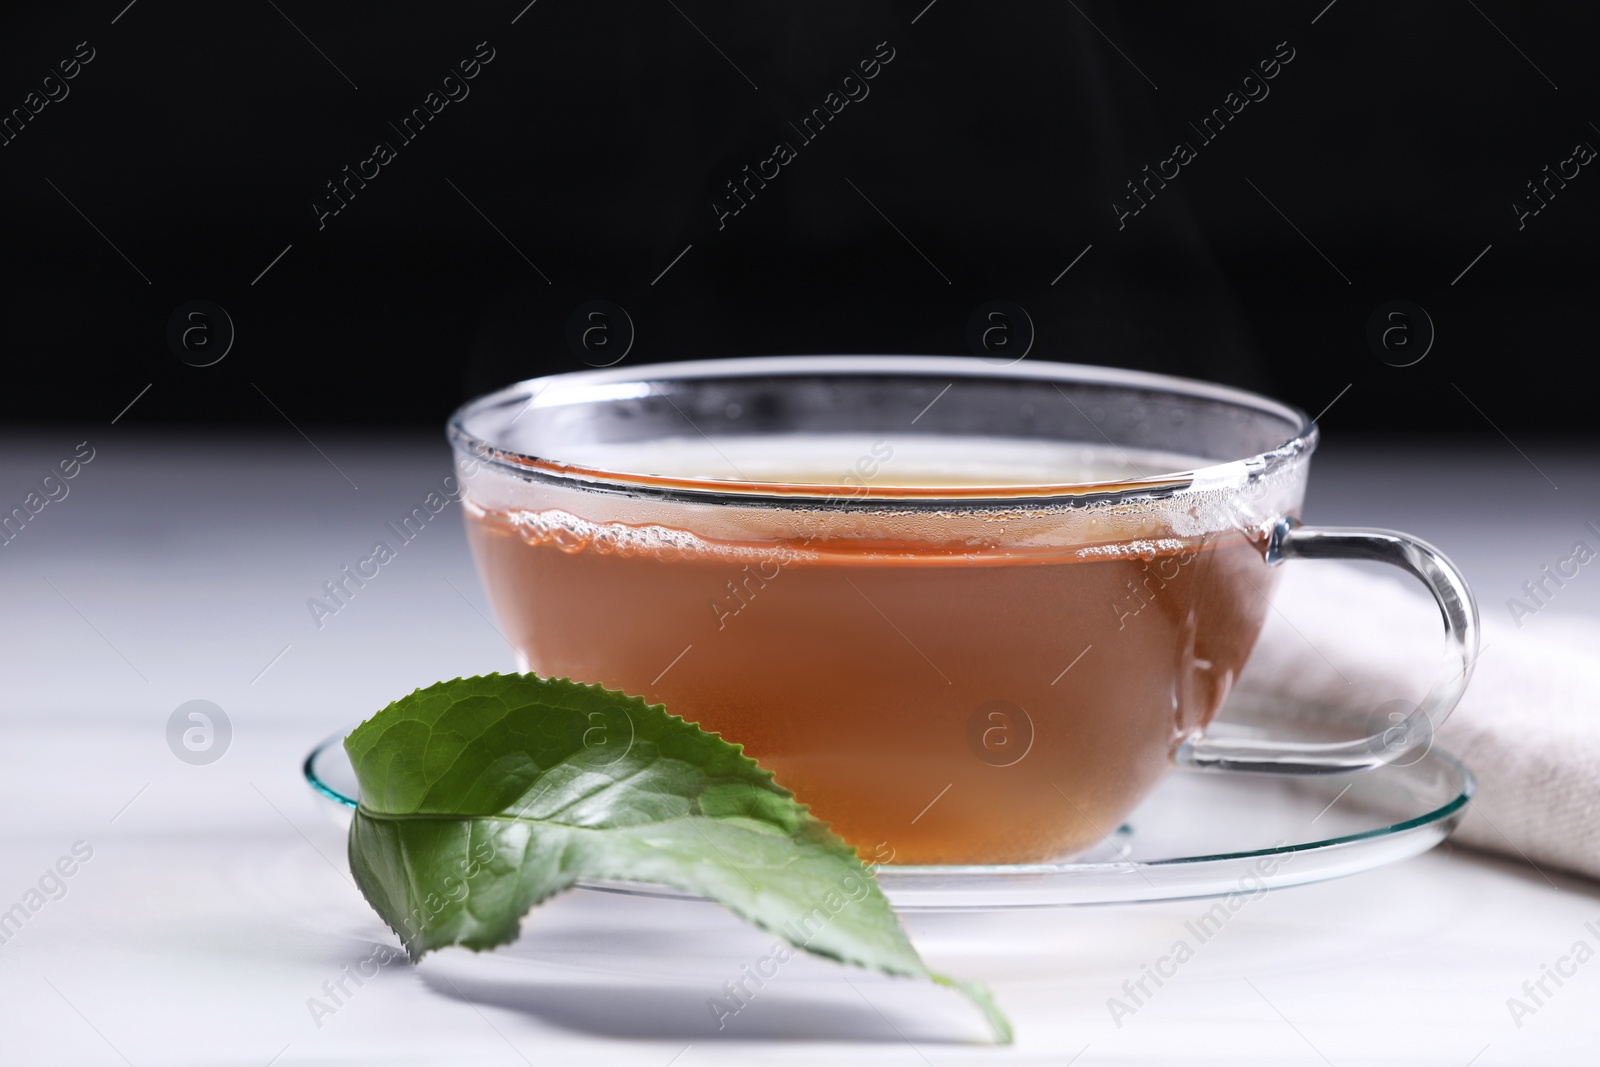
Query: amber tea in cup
{"points": [[969, 614]]}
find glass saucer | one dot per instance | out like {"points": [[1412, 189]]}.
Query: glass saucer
{"points": [[1199, 834]]}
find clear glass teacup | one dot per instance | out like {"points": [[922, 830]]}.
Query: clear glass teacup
{"points": [[968, 613]]}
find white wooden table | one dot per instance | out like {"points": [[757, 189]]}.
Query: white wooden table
{"points": [[215, 906]]}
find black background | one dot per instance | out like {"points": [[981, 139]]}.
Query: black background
{"points": [[985, 159]]}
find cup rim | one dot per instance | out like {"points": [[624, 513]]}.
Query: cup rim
{"points": [[604, 383]]}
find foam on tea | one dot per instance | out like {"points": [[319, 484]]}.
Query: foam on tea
{"points": [[942, 686]]}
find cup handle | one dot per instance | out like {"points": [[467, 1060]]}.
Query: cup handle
{"points": [[1290, 540]]}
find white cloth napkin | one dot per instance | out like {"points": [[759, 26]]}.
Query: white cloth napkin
{"points": [[1528, 726]]}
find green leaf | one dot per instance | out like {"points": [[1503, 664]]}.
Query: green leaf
{"points": [[481, 797]]}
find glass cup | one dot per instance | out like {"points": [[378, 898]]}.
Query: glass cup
{"points": [[968, 613]]}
